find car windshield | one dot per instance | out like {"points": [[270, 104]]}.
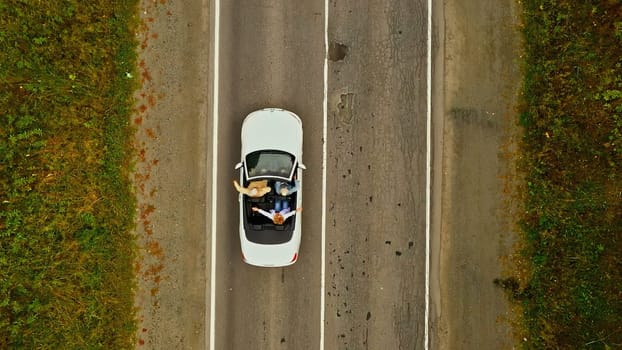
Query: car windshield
{"points": [[269, 163]]}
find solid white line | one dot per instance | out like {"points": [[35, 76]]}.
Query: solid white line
{"points": [[428, 175], [324, 142], [212, 318]]}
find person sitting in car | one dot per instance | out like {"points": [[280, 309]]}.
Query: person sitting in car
{"points": [[255, 189], [284, 188], [280, 213]]}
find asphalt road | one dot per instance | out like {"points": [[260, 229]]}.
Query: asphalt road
{"points": [[272, 54], [376, 172]]}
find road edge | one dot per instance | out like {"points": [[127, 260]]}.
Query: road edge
{"points": [[438, 112]]}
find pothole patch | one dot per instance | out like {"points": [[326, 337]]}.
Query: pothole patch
{"points": [[345, 108], [337, 51]]}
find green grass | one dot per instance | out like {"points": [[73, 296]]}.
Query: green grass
{"points": [[66, 201], [571, 112]]}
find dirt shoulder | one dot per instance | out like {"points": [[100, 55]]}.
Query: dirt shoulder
{"points": [[170, 176], [479, 53]]}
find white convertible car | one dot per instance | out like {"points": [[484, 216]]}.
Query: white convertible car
{"points": [[272, 152]]}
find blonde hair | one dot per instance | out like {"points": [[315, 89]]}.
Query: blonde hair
{"points": [[278, 219]]}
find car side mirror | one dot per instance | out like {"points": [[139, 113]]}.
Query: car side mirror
{"points": [[302, 166], [239, 165]]}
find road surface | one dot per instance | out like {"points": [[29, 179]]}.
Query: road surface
{"points": [[272, 53]]}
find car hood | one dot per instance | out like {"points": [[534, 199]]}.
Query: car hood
{"points": [[272, 129]]}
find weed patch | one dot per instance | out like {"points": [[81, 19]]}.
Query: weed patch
{"points": [[571, 112], [66, 204]]}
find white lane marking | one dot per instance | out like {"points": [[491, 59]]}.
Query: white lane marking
{"points": [[212, 316], [428, 160], [324, 142]]}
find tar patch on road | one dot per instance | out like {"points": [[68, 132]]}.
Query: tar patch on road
{"points": [[337, 51]]}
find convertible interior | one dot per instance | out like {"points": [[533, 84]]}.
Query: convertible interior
{"points": [[256, 221]]}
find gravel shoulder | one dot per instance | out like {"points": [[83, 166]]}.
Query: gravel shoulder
{"points": [[170, 175], [477, 83]]}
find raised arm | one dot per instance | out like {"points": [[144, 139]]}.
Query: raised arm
{"points": [[240, 188], [262, 212], [291, 213], [295, 187]]}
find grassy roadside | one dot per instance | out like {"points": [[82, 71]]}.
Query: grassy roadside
{"points": [[571, 112], [66, 204]]}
